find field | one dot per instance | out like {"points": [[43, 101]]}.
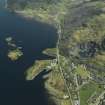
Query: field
{"points": [[88, 90]]}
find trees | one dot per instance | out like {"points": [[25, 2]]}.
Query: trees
{"points": [[87, 40], [22, 4]]}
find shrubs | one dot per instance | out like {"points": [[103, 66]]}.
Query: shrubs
{"points": [[14, 54], [87, 41]]}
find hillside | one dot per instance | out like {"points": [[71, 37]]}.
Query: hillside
{"points": [[78, 75], [82, 44]]}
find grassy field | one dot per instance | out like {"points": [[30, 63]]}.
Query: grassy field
{"points": [[87, 90], [36, 68], [56, 87], [50, 52], [80, 70]]}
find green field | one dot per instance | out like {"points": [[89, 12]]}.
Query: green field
{"points": [[87, 90]]}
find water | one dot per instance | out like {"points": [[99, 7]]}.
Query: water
{"points": [[3, 3], [33, 37]]}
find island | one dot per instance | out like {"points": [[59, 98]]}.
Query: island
{"points": [[14, 52]]}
